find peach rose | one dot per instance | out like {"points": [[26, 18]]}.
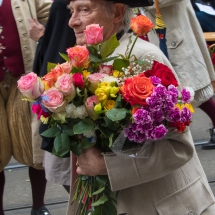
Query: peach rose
{"points": [[79, 56], [93, 34], [94, 79], [66, 67], [136, 89], [65, 85], [53, 99], [141, 25], [31, 86], [90, 104]]}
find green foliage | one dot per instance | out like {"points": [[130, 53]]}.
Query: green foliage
{"points": [[62, 144], [64, 56], [116, 114], [109, 46], [120, 63], [51, 132], [51, 66], [84, 125]]}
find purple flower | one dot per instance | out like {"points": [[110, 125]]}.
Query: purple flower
{"points": [[154, 103], [159, 132], [145, 127], [155, 80], [185, 115], [160, 90], [141, 116], [157, 116], [174, 115], [139, 138], [185, 95]]}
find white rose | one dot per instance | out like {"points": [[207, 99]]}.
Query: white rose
{"points": [[81, 112], [110, 79]]}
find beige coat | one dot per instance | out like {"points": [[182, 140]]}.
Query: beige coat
{"points": [[187, 49], [22, 11], [171, 181]]}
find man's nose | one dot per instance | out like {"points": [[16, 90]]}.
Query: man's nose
{"points": [[74, 21]]}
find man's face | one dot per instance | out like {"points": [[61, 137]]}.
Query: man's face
{"points": [[86, 12]]}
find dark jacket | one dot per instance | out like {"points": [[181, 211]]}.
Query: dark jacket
{"points": [[57, 38]]}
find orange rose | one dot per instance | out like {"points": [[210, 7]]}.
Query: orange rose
{"points": [[50, 78], [141, 25], [136, 89], [79, 56]]}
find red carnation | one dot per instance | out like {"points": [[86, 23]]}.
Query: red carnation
{"points": [[78, 80]]}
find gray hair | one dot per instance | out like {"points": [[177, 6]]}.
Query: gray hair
{"points": [[128, 14]]}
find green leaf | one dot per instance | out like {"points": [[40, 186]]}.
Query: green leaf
{"points": [[106, 131], [68, 129], [98, 191], [75, 147], [108, 59], [101, 181], [86, 144], [119, 64], [62, 144], [94, 59], [116, 114], [118, 101], [101, 201], [110, 208], [109, 46], [51, 132], [86, 124], [51, 66], [64, 56]]}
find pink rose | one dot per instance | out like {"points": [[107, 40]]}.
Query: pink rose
{"points": [[65, 85], [78, 80], [94, 79], [90, 103], [66, 67], [53, 99], [93, 34], [31, 86], [37, 109], [79, 56], [106, 69]]}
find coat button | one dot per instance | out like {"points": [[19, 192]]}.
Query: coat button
{"points": [[173, 44], [192, 213]]}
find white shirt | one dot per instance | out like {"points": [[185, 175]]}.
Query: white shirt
{"points": [[1, 2]]}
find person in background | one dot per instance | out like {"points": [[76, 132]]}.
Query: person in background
{"points": [[170, 180], [205, 13], [57, 38], [188, 54], [18, 130]]}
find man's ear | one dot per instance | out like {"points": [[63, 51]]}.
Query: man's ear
{"points": [[119, 12]]}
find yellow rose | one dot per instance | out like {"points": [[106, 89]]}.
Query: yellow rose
{"points": [[86, 74], [101, 94], [109, 104], [114, 91], [115, 73], [98, 107]]}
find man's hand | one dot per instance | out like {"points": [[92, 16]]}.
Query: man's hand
{"points": [[36, 30], [91, 162]]}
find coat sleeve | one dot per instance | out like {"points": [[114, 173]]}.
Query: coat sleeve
{"points": [[42, 10], [166, 156]]}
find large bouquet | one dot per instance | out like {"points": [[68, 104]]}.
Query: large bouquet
{"points": [[95, 98]]}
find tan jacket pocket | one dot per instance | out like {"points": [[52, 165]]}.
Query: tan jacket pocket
{"points": [[191, 200]]}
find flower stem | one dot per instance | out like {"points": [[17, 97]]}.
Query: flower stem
{"points": [[129, 55]]}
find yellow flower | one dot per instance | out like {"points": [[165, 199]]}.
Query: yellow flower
{"points": [[114, 91], [109, 104], [43, 119], [188, 106], [115, 73], [101, 93], [104, 84], [85, 74], [98, 107]]}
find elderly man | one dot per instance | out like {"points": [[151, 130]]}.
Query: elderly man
{"points": [[171, 180], [16, 58]]}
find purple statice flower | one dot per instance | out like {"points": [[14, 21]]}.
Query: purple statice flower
{"points": [[157, 116], [155, 80], [159, 132], [141, 116], [186, 97], [185, 114], [174, 115]]}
